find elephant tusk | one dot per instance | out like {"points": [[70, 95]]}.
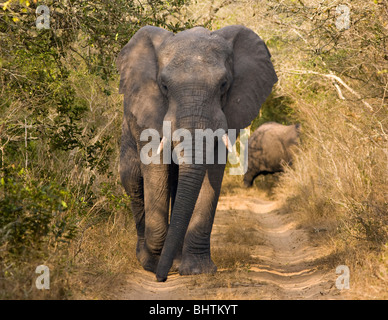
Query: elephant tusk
{"points": [[227, 142], [160, 148]]}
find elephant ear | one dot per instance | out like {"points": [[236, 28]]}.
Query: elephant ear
{"points": [[253, 75], [137, 64]]}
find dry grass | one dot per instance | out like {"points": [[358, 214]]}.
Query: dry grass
{"points": [[231, 245], [339, 183], [241, 233], [105, 255], [340, 171], [92, 268], [19, 283], [232, 258], [263, 187]]}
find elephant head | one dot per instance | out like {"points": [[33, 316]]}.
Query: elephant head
{"points": [[196, 79]]}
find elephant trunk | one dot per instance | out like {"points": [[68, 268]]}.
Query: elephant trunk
{"points": [[190, 181]]}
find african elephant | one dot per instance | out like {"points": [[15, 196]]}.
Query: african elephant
{"points": [[195, 79], [269, 149]]}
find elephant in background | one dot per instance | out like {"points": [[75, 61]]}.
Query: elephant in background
{"points": [[195, 79], [269, 149]]}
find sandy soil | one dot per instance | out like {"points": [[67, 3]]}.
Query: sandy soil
{"points": [[280, 260]]}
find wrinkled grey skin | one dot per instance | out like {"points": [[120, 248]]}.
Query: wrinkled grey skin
{"points": [[196, 79], [269, 148]]}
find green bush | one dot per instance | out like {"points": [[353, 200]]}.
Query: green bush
{"points": [[33, 215], [276, 108]]}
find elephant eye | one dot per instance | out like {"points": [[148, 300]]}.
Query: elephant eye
{"points": [[223, 86], [164, 87]]}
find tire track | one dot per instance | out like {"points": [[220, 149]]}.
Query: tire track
{"points": [[283, 262]]}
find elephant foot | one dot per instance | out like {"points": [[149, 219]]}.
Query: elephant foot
{"points": [[148, 261], [197, 264], [248, 184], [177, 261], [176, 264]]}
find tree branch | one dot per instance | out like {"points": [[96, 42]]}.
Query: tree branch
{"points": [[336, 78]]}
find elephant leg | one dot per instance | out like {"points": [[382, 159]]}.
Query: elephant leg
{"points": [[196, 248], [250, 176], [156, 204], [255, 164], [173, 187], [132, 181]]}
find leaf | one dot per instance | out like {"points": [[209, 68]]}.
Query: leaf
{"points": [[64, 204], [5, 5]]}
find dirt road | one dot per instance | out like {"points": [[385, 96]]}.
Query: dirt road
{"points": [[260, 253]]}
